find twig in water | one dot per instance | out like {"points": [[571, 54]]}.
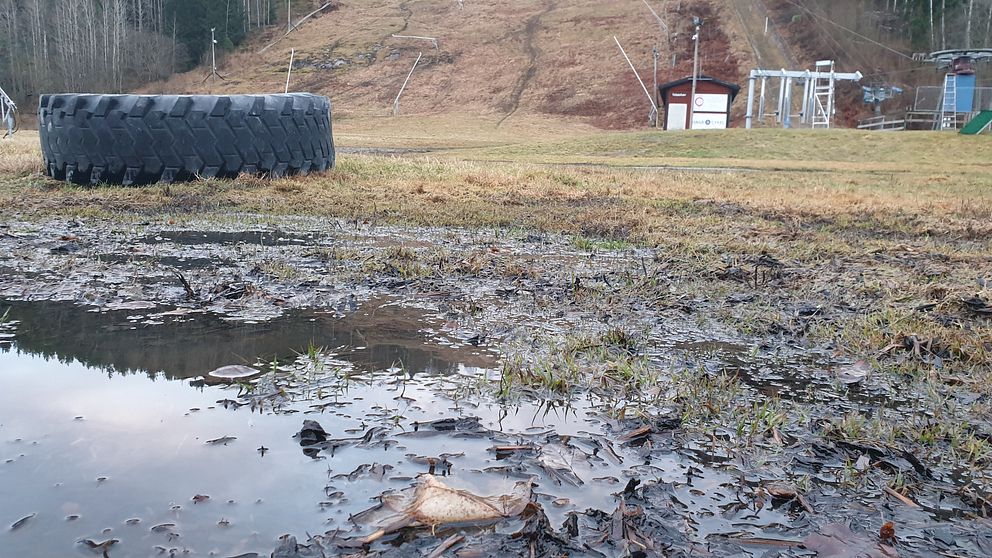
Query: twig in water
{"points": [[190, 293], [900, 497]]}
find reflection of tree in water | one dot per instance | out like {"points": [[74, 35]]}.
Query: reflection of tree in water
{"points": [[186, 346]]}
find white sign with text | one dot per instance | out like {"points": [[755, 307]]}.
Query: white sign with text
{"points": [[709, 121], [708, 102]]}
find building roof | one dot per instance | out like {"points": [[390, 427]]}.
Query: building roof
{"points": [[734, 89]]}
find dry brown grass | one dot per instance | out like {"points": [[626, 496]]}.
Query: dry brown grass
{"points": [[452, 188], [452, 130], [940, 155], [20, 155]]}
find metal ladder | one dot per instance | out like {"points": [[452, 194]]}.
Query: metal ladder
{"points": [[823, 95], [949, 104]]}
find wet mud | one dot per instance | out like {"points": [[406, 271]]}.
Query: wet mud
{"points": [[428, 392]]}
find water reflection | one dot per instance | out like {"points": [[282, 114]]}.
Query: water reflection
{"points": [[183, 344], [264, 238]]}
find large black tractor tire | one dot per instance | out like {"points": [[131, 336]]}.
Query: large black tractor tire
{"points": [[142, 139]]}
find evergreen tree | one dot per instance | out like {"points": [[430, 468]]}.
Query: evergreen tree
{"points": [[193, 20]]}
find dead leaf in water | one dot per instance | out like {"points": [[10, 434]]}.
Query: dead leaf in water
{"points": [[559, 460], [22, 522], [836, 540], [103, 546], [162, 527], [432, 503], [624, 531], [234, 373], [786, 491], [781, 490], [853, 373]]}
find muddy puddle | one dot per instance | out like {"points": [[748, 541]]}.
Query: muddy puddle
{"points": [[101, 441], [181, 343], [405, 402], [260, 237]]}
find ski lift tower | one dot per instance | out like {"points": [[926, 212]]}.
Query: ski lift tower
{"points": [[819, 97], [7, 110]]}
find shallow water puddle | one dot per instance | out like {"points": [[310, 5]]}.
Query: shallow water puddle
{"points": [[184, 342], [262, 237], [183, 263], [97, 453], [96, 444]]}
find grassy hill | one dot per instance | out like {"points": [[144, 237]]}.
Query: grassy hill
{"points": [[549, 63]]}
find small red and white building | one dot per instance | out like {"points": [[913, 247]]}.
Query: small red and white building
{"points": [[712, 103]]}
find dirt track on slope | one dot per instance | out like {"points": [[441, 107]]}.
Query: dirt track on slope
{"points": [[770, 50], [530, 34]]}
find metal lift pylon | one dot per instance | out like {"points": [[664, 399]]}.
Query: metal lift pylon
{"points": [[819, 98], [7, 110]]}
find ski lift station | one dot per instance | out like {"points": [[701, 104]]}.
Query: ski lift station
{"points": [[958, 104], [711, 105], [776, 93]]}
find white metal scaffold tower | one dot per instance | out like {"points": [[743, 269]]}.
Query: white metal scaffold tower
{"points": [[818, 94], [7, 110]]}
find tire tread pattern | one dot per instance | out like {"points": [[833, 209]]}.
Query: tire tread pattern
{"points": [[143, 139]]}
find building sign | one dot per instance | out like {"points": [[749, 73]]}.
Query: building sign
{"points": [[708, 102], [709, 121]]}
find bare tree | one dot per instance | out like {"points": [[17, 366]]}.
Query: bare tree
{"points": [[988, 28], [967, 24]]}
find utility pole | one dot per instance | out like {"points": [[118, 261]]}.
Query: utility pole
{"points": [[654, 90], [213, 51], [654, 104], [289, 16], [698, 23], [213, 58], [663, 31]]}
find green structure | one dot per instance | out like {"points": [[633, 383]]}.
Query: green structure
{"points": [[978, 124]]}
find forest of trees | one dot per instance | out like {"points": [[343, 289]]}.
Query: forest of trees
{"points": [[880, 37], [115, 45], [922, 25], [944, 24]]}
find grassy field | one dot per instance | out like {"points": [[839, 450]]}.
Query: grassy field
{"points": [[895, 218], [477, 173], [916, 153]]}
